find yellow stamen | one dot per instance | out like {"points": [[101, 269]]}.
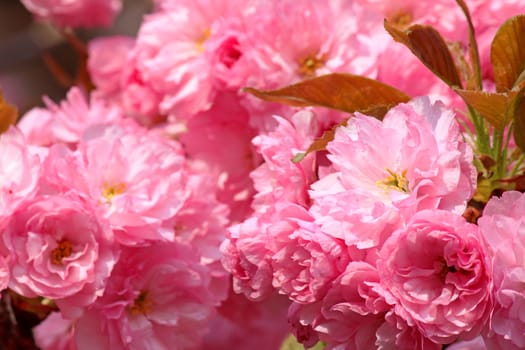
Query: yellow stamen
{"points": [[202, 39], [310, 64], [110, 191], [401, 18], [395, 181], [142, 304], [63, 250]]}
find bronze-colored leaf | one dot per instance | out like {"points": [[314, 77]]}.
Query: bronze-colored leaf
{"points": [[508, 53], [519, 123], [8, 114], [320, 143], [431, 49], [494, 107], [475, 78], [344, 92]]}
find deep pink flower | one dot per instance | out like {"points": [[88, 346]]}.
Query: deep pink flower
{"points": [[395, 334], [158, 297], [474, 344], [55, 333], [352, 311], [60, 249], [436, 276], [502, 227], [75, 13], [247, 257], [305, 260], [244, 324], [427, 165]]}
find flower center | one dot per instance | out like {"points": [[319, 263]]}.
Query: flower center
{"points": [[142, 304], [202, 39], [63, 250], [402, 18], [310, 64], [395, 181], [110, 191]]}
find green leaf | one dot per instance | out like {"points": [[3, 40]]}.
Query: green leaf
{"points": [[427, 44], [344, 92], [291, 343], [508, 53]]}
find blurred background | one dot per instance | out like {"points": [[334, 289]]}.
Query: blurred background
{"points": [[24, 75]]}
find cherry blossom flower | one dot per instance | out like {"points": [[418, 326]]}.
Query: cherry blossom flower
{"points": [[135, 179], [19, 171], [157, 297], [436, 275], [67, 122], [60, 249], [502, 227], [371, 191], [55, 333], [75, 13]]}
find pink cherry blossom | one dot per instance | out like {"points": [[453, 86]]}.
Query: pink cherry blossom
{"points": [[19, 171], [278, 179], [247, 257], [305, 260], [396, 334], [137, 180], [157, 297], [502, 227], [171, 53], [428, 165], [55, 333], [220, 138], [68, 121], [352, 311], [244, 324], [60, 249], [437, 277], [474, 344], [75, 13], [328, 37], [107, 60], [443, 15]]}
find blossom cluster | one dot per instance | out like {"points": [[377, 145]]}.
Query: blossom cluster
{"points": [[159, 207]]}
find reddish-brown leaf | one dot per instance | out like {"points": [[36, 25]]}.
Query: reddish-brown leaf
{"points": [[344, 92], [508, 53], [519, 123], [494, 107], [474, 79], [320, 143], [427, 44], [8, 114]]}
